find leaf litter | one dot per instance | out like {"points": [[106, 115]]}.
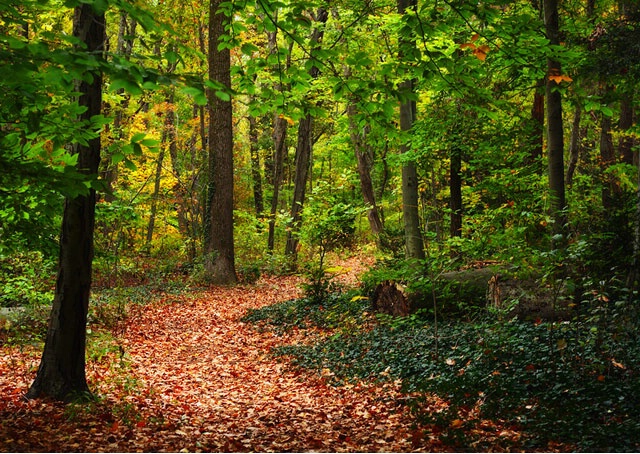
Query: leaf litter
{"points": [[194, 378]]}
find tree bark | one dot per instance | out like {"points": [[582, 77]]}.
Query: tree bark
{"points": [[219, 248], [358, 141], [413, 236], [303, 161], [607, 158], [303, 155], [256, 175], [455, 189], [626, 142], [574, 145], [537, 121], [279, 150], [555, 131], [61, 374], [154, 200]]}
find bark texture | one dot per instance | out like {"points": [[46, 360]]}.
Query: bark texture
{"points": [[413, 235], [219, 248], [61, 374]]}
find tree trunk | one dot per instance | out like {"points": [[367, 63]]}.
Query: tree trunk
{"points": [[303, 160], [154, 200], [358, 141], [607, 158], [279, 149], [555, 132], [455, 189], [61, 374], [124, 47], [537, 122], [413, 236], [626, 142], [303, 155], [219, 248], [256, 175], [574, 145]]}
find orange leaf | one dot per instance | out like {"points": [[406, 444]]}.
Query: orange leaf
{"points": [[456, 423], [600, 377], [560, 78], [481, 52]]}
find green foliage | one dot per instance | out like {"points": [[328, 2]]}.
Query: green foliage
{"points": [[26, 279], [548, 380], [338, 310]]}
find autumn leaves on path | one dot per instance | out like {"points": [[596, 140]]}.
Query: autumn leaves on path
{"points": [[198, 379]]}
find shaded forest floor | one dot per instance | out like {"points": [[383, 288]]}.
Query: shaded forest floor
{"points": [[188, 375]]}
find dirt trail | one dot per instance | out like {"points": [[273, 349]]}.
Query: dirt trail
{"points": [[198, 379]]}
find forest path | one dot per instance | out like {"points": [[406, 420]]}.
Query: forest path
{"points": [[199, 379]]}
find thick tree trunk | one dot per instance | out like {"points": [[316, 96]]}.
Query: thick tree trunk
{"points": [[413, 236], [61, 374], [555, 131], [219, 248]]}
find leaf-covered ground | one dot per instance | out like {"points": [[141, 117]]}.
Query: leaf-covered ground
{"points": [[190, 376]]}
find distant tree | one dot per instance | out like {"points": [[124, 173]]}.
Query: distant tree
{"points": [[555, 128], [413, 235]]}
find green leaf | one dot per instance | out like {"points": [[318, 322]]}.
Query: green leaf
{"points": [[223, 95]]}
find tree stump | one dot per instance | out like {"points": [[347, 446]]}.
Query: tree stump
{"points": [[390, 299]]}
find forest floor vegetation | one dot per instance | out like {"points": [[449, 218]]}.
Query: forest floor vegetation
{"points": [[261, 367]]}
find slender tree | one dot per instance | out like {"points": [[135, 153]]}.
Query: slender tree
{"points": [[303, 152], [413, 235], [219, 248], [555, 128], [61, 374]]}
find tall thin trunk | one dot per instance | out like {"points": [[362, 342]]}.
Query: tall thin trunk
{"points": [[555, 131], [303, 161], [279, 146], [626, 142], [276, 167], [61, 374], [154, 200], [455, 188], [219, 247], [607, 158], [574, 145], [358, 141], [256, 175], [413, 236], [537, 120], [303, 155]]}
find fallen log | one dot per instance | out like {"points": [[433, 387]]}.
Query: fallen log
{"points": [[457, 292]]}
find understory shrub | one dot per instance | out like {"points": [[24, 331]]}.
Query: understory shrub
{"points": [[573, 382]]}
